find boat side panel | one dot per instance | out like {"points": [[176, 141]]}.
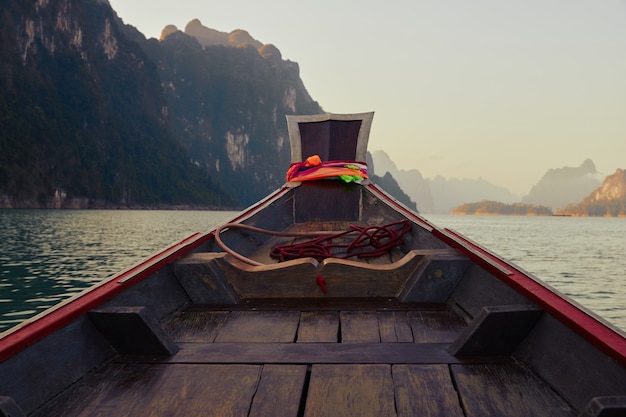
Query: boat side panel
{"points": [[203, 281], [435, 279], [479, 288], [380, 208], [37, 373], [577, 369], [160, 293], [276, 215]]}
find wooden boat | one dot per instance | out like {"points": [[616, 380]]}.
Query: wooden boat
{"points": [[434, 325]]}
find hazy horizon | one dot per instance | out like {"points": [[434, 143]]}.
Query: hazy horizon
{"points": [[503, 91]]}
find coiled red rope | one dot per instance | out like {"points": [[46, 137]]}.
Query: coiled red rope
{"points": [[370, 241]]}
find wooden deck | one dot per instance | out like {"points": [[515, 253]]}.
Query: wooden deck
{"points": [[311, 358]]}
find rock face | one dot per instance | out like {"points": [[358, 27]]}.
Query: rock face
{"points": [[227, 96], [83, 115], [563, 186], [95, 115], [613, 188], [439, 195], [211, 37], [608, 200]]}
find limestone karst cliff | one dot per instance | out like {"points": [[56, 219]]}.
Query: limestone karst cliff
{"points": [[94, 114], [608, 200]]}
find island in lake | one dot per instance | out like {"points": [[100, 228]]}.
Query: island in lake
{"points": [[487, 207]]}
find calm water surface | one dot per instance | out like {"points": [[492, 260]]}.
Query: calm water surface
{"points": [[583, 257], [48, 255]]}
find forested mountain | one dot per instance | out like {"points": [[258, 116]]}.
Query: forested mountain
{"points": [[94, 115], [81, 115], [227, 97], [487, 207]]}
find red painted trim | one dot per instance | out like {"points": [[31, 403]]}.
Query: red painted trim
{"points": [[40, 326], [599, 334], [383, 196], [59, 316], [576, 318]]}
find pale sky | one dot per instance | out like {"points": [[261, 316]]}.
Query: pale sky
{"points": [[498, 89]]}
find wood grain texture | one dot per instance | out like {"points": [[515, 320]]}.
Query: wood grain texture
{"points": [[311, 353], [435, 326], [426, 391], [350, 390], [196, 326], [506, 390], [359, 327], [297, 278], [279, 391], [259, 327], [394, 326], [319, 327], [157, 390]]}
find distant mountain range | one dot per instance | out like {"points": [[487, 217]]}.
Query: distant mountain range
{"points": [[567, 191], [608, 200], [563, 186], [439, 195], [93, 114]]}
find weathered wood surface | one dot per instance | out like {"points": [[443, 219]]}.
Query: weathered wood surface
{"points": [[199, 326], [297, 278], [350, 390], [359, 327], [279, 391], [316, 360], [425, 390], [506, 390], [323, 201], [394, 326], [497, 330], [312, 353], [259, 327], [318, 326], [133, 330], [155, 390], [435, 326]]}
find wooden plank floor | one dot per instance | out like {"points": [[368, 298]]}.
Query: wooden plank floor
{"points": [[316, 360]]}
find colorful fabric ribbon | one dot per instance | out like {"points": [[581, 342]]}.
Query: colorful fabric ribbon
{"points": [[314, 169]]}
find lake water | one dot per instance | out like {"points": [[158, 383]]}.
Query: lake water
{"points": [[49, 255]]}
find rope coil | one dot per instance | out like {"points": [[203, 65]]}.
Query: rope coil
{"points": [[370, 241]]}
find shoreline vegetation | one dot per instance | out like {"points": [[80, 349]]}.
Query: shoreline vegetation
{"points": [[114, 206], [488, 207], [496, 208]]}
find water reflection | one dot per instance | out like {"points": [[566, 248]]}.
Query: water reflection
{"points": [[584, 258], [49, 255]]}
